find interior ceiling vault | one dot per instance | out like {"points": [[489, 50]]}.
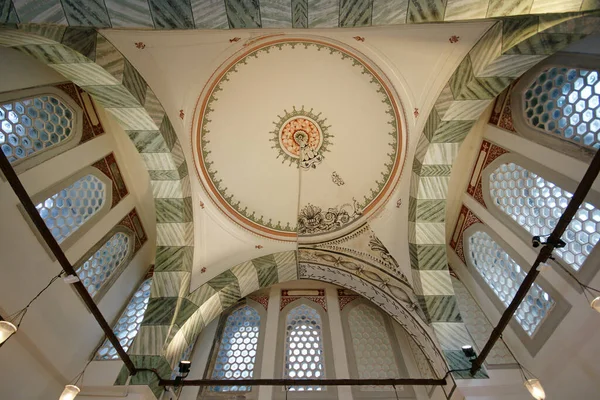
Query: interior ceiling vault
{"points": [[353, 130]]}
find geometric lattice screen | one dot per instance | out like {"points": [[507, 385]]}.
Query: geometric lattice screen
{"points": [[237, 351], [504, 276], [372, 347], [304, 346], [536, 204], [129, 324], [66, 211], [565, 102], [96, 269], [32, 125]]}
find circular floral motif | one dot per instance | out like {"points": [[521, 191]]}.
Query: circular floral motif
{"points": [[298, 131]]}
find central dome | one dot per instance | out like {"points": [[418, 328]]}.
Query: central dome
{"points": [[298, 137]]}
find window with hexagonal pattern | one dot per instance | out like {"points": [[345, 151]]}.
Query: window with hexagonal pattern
{"points": [[129, 323], [67, 210], [536, 204], [504, 276], [31, 125], [566, 102], [304, 346], [372, 346], [96, 270], [237, 351]]}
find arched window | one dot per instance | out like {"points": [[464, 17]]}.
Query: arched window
{"points": [[68, 209], [129, 323], [236, 357], [34, 124], [504, 276], [304, 346], [371, 343], [536, 204], [97, 269], [565, 102]]}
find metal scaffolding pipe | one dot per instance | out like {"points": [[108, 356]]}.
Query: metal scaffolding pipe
{"points": [[39, 223], [545, 253], [304, 382]]}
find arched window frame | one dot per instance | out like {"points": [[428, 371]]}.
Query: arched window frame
{"points": [[358, 392], [46, 154], [214, 352], [328, 392], [561, 307], [587, 270], [106, 285], [543, 137], [55, 188], [105, 341]]}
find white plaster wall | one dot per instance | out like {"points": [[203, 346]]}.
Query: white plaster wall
{"points": [[58, 334]]}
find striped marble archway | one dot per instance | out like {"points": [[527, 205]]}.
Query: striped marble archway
{"points": [[505, 52], [86, 58]]}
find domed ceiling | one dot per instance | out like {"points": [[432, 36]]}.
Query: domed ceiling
{"points": [[298, 137]]}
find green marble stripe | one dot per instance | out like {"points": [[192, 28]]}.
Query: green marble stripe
{"points": [[489, 88], [85, 74], [459, 82], [428, 256], [86, 13], [264, 262], [487, 49], [167, 175], [436, 170], [129, 13], [452, 131], [300, 13], [545, 44], [133, 119], [149, 340], [160, 311], [182, 170], [168, 133], [186, 309], [590, 5], [457, 361], [267, 276], [209, 14], [412, 209], [275, 13], [52, 32], [222, 280], [444, 101], [115, 96], [355, 12], [13, 37], [202, 294], [167, 283], [173, 258], [243, 13], [109, 58], [388, 12], [82, 40], [247, 277], [431, 125], [430, 210], [442, 308], [134, 82], [153, 107], [426, 10], [52, 54], [229, 295], [503, 8], [417, 167], [465, 9], [323, 13], [46, 12], [422, 146], [8, 13], [171, 14], [151, 142], [517, 29], [193, 326], [173, 210]]}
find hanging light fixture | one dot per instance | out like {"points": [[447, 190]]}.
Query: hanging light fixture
{"points": [[535, 388], [70, 392], [588, 292], [11, 325]]}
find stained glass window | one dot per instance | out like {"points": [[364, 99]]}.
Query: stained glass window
{"points": [[536, 204], [129, 324], [237, 351], [565, 102], [32, 125], [304, 346], [67, 210], [504, 276], [98, 268], [372, 346]]}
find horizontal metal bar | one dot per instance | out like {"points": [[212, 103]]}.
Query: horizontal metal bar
{"points": [[304, 382]]}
